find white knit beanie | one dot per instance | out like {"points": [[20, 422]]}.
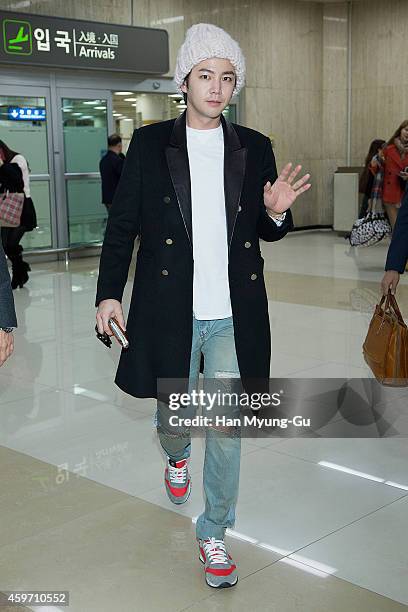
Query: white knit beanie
{"points": [[203, 41]]}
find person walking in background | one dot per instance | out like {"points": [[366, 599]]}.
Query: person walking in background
{"points": [[110, 168], [8, 318], [366, 181], [397, 257], [11, 236], [395, 159], [201, 191]]}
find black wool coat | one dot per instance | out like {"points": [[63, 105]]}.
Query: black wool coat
{"points": [[397, 257], [153, 199]]}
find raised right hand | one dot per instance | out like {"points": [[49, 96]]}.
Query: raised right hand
{"points": [[106, 310]]}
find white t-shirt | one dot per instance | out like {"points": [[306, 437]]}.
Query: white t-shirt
{"points": [[21, 161], [211, 296]]}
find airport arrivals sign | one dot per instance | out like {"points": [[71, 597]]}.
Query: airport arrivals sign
{"points": [[37, 40]]}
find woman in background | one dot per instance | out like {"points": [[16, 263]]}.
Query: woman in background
{"points": [[11, 236], [365, 185], [395, 158]]}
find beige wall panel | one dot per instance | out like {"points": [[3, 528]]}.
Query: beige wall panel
{"points": [[379, 79], [164, 14], [109, 11]]}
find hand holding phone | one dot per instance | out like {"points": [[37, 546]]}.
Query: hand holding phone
{"points": [[110, 321], [117, 331]]}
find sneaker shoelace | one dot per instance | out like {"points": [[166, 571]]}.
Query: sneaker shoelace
{"points": [[177, 475], [215, 551]]}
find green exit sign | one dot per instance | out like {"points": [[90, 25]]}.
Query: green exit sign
{"points": [[17, 37]]}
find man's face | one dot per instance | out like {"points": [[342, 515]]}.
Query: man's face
{"points": [[210, 86], [116, 148]]}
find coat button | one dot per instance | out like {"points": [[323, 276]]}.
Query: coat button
{"points": [[247, 245], [169, 241], [167, 199], [165, 272], [239, 208], [254, 276]]}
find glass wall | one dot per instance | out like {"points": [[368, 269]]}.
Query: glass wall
{"points": [[23, 127], [85, 133]]}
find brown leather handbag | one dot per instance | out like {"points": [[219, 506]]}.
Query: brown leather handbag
{"points": [[386, 346]]}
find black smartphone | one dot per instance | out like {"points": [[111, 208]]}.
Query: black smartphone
{"points": [[117, 331], [103, 337]]}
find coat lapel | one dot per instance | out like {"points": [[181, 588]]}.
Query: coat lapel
{"points": [[234, 172], [177, 161]]}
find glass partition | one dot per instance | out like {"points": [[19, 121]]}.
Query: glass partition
{"points": [[40, 237], [85, 132], [23, 127], [87, 216]]}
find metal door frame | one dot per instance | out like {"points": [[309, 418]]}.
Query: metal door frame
{"points": [[62, 176], [38, 91]]}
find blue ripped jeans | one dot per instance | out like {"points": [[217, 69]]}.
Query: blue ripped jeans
{"points": [[215, 339]]}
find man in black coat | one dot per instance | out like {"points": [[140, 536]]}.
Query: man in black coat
{"points": [[397, 256], [200, 191], [110, 168]]}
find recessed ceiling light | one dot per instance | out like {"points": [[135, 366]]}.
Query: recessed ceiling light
{"points": [[130, 99], [175, 95], [77, 114], [92, 102], [134, 104], [127, 119], [99, 107], [123, 93]]}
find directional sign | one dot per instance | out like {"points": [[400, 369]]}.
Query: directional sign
{"points": [[17, 113], [37, 40]]}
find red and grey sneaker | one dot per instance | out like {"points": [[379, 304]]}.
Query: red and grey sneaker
{"points": [[220, 570], [177, 481]]}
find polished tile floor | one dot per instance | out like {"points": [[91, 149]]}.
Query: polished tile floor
{"points": [[321, 522]]}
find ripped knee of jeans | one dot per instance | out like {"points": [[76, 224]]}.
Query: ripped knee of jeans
{"points": [[228, 380], [230, 431], [174, 433], [226, 374]]}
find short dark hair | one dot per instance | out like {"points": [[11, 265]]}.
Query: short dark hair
{"points": [[184, 93], [113, 140]]}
